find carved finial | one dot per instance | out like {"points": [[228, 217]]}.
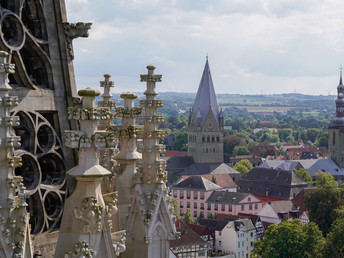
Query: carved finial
{"points": [[206, 56], [107, 84]]}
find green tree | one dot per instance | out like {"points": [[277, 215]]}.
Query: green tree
{"points": [[211, 216], [175, 207], [229, 142], [243, 166], [240, 150], [187, 217], [321, 204], [200, 217], [289, 239], [213, 179], [325, 180], [334, 245], [304, 175], [181, 141]]}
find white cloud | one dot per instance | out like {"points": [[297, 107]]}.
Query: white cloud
{"points": [[271, 44]]}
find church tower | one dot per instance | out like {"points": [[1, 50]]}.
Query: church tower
{"points": [[205, 128], [336, 130]]}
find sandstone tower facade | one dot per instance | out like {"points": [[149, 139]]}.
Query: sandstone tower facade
{"points": [[336, 130], [205, 126]]}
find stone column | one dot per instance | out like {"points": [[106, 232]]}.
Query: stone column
{"points": [[151, 224], [127, 156], [86, 222], [14, 220]]}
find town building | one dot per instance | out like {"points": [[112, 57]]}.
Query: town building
{"points": [[205, 126], [232, 203], [232, 237], [189, 244], [274, 183], [335, 130]]}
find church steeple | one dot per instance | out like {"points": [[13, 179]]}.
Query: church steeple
{"points": [[339, 119], [205, 128], [335, 131], [205, 99]]}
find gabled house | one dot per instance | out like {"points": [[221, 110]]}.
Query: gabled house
{"points": [[234, 237], [280, 184], [232, 203], [276, 212], [223, 180], [192, 193], [190, 244], [299, 205]]}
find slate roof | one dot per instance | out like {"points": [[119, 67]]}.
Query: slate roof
{"points": [[187, 236], [179, 162], [223, 180], [197, 183], [282, 206], [213, 225], [201, 230], [226, 197], [279, 184], [205, 99], [311, 165], [208, 168]]}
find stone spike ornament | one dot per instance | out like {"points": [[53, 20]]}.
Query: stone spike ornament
{"points": [[150, 224], [87, 218], [15, 238], [128, 154], [106, 154]]}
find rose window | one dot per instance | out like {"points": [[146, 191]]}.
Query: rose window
{"points": [[43, 170], [23, 34]]}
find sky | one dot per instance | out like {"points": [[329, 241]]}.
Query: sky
{"points": [[254, 46]]}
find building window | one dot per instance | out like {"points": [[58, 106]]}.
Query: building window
{"points": [[249, 199], [251, 234], [209, 206], [195, 205], [188, 205], [208, 215], [217, 139], [208, 139], [220, 243], [181, 212], [203, 139], [222, 207], [216, 206], [202, 195], [175, 194], [238, 244], [201, 214], [188, 194], [195, 213], [242, 207], [213, 139], [181, 204], [229, 207], [220, 233], [202, 206], [181, 194], [256, 206], [250, 206], [195, 195]]}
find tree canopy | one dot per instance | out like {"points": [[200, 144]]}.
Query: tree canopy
{"points": [[304, 175], [290, 238], [325, 180], [243, 166]]}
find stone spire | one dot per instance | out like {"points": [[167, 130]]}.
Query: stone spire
{"points": [[205, 126], [205, 101], [128, 155], [151, 224], [339, 119], [87, 218], [15, 238]]}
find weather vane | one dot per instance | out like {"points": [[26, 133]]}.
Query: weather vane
{"points": [[341, 68]]}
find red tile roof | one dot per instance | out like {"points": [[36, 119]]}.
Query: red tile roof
{"points": [[268, 199], [223, 180], [201, 230], [298, 201], [172, 153]]}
